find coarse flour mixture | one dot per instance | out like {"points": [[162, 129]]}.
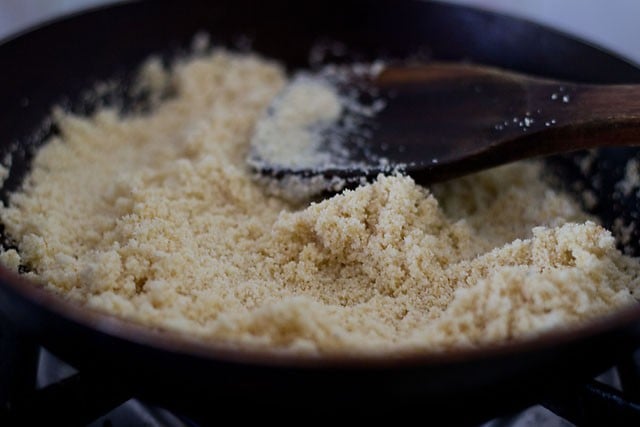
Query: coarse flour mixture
{"points": [[156, 218]]}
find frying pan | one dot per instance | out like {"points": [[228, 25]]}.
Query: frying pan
{"points": [[56, 62]]}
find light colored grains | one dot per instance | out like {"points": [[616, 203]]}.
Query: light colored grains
{"points": [[319, 122], [631, 180], [4, 170], [10, 259], [289, 135], [156, 218]]}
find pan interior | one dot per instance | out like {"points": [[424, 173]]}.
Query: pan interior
{"points": [[599, 180]]}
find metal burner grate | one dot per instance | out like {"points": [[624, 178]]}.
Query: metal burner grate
{"points": [[61, 394]]}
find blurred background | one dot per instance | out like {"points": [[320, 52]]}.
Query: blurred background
{"points": [[612, 24]]}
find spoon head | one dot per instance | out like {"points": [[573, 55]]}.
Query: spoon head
{"points": [[432, 121]]}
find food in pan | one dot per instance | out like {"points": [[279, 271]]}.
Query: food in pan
{"points": [[156, 217]]}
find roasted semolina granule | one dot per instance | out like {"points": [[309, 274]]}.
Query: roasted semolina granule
{"points": [[156, 218]]}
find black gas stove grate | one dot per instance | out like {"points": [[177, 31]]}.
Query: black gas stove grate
{"points": [[84, 397]]}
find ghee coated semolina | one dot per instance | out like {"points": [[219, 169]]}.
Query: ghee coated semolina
{"points": [[156, 218]]}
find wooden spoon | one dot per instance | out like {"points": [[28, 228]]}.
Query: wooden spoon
{"points": [[444, 120]]}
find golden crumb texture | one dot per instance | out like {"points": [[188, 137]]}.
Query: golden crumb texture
{"points": [[155, 218]]}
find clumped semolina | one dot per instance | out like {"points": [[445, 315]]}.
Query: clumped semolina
{"points": [[156, 218]]}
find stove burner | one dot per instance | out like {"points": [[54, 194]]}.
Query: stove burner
{"points": [[37, 388]]}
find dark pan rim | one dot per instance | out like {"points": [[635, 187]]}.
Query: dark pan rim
{"points": [[487, 11], [550, 28], [64, 17], [183, 344]]}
